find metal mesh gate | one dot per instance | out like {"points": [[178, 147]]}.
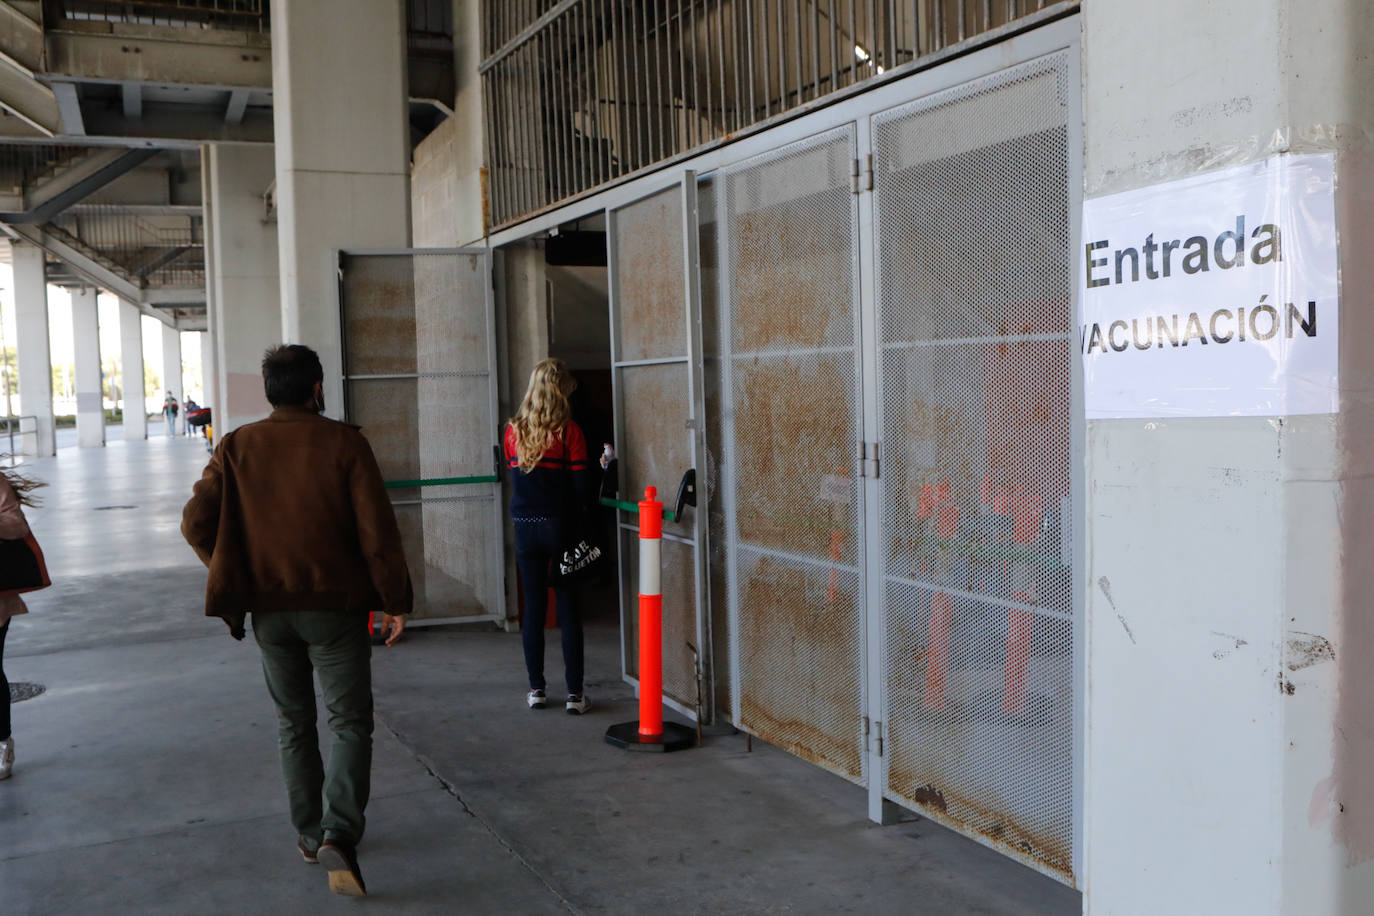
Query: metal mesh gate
{"points": [[971, 201], [419, 352], [650, 350], [787, 240]]}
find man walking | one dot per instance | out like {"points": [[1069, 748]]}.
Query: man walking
{"points": [[293, 520], [169, 413]]}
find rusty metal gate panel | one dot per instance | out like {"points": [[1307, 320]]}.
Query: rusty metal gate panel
{"points": [[786, 237], [656, 364], [972, 214], [419, 361]]}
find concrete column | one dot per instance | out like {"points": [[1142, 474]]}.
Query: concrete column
{"points": [[245, 310], [131, 363], [207, 369], [341, 125], [90, 404], [33, 347], [171, 367], [1230, 707]]}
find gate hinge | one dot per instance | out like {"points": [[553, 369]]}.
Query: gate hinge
{"points": [[868, 467], [861, 174], [872, 730], [877, 746]]}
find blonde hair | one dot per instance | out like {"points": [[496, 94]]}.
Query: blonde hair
{"points": [[544, 411]]}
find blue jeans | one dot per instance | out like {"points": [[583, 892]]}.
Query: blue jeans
{"points": [[536, 545]]}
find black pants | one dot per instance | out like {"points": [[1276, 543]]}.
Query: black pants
{"points": [[4, 687], [536, 544]]}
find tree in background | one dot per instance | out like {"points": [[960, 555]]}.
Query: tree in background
{"points": [[151, 380], [109, 387], [9, 364], [63, 380]]}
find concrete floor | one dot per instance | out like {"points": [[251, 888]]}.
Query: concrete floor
{"points": [[147, 778]]}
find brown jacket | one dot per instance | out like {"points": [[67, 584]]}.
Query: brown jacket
{"points": [[291, 514]]}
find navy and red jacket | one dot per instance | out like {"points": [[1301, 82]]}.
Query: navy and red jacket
{"points": [[558, 486]]}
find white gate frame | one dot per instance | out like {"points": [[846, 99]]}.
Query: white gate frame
{"points": [[1059, 35], [686, 180], [496, 547]]}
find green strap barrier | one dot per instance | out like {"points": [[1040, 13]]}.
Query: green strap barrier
{"points": [[633, 507], [439, 482]]}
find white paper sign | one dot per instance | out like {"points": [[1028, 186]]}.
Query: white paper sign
{"points": [[1213, 296]]}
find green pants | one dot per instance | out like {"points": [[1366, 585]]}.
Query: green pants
{"points": [[326, 802]]}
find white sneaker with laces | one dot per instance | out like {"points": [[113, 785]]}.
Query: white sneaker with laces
{"points": [[577, 704], [536, 699], [6, 758]]}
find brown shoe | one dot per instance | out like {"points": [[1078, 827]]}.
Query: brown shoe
{"points": [[309, 857], [342, 863]]}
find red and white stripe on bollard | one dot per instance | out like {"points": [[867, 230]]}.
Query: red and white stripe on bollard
{"points": [[650, 732]]}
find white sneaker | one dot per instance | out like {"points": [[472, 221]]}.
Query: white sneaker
{"points": [[536, 699], [577, 704], [6, 758]]}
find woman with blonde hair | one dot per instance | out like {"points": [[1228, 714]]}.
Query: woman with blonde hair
{"points": [[551, 485], [15, 493]]}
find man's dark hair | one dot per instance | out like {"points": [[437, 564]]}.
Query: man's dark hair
{"points": [[289, 374]]}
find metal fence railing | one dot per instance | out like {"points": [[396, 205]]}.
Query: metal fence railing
{"points": [[424, 17], [237, 15], [13, 426], [155, 250], [581, 92], [23, 164]]}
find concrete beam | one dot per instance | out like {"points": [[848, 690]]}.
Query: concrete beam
{"points": [[149, 54], [132, 97], [238, 104], [69, 106], [29, 100], [170, 296], [23, 39]]}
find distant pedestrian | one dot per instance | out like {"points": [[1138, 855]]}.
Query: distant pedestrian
{"points": [[14, 495], [551, 485], [294, 522], [186, 409], [169, 413]]}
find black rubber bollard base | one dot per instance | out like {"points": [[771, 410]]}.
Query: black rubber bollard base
{"points": [[675, 737]]}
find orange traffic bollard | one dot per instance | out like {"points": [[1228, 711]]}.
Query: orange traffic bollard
{"points": [[650, 616], [650, 733]]}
